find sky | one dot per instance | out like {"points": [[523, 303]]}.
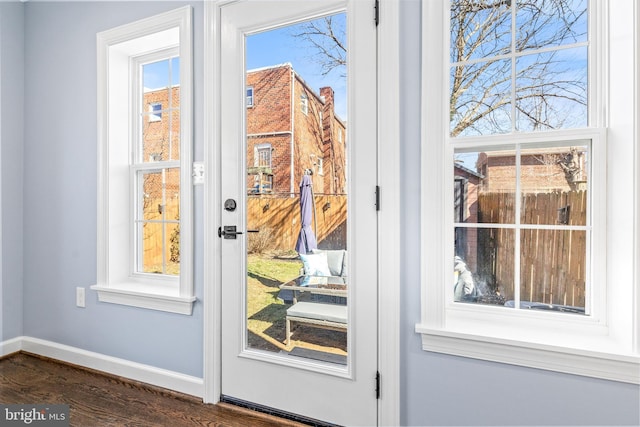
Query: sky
{"points": [[279, 46]]}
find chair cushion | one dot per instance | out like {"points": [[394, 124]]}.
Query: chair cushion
{"points": [[318, 311], [336, 259], [315, 264]]}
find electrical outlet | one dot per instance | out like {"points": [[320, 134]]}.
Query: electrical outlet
{"points": [[80, 297]]}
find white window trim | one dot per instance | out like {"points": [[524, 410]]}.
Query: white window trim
{"points": [[116, 282], [603, 345]]}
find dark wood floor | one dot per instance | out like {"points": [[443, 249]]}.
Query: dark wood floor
{"points": [[98, 400]]}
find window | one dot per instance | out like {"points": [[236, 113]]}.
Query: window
{"points": [[264, 173], [304, 103], [156, 188], [519, 274], [320, 166], [145, 122], [263, 155], [155, 112], [250, 96]]}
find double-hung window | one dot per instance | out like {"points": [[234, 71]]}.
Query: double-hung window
{"points": [[516, 142], [145, 150]]}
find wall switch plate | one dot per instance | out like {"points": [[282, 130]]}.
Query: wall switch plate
{"points": [[80, 297], [198, 173]]}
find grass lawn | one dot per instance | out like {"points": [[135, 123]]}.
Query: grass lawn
{"points": [[266, 313]]}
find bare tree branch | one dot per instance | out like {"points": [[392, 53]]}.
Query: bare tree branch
{"points": [[327, 38]]}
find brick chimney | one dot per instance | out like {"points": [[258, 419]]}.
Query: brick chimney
{"points": [[328, 113]]}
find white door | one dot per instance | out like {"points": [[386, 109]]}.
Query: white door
{"points": [[299, 340]]}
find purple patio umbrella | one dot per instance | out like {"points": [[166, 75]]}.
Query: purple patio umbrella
{"points": [[306, 239]]}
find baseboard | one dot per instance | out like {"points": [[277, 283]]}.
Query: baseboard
{"points": [[171, 380], [8, 347]]}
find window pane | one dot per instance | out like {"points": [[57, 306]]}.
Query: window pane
{"points": [[483, 265], [152, 256], [175, 72], [160, 233], [172, 192], [155, 75], [554, 185], [479, 29], [174, 148], [492, 186], [152, 196], [155, 128], [553, 269], [481, 98], [172, 249], [550, 23], [551, 90]]}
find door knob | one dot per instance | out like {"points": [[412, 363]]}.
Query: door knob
{"points": [[228, 232]]}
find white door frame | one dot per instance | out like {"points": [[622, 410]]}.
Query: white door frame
{"points": [[388, 216]]}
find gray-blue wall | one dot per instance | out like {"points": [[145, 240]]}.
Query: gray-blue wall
{"points": [[60, 182], [447, 390], [59, 233], [11, 171]]}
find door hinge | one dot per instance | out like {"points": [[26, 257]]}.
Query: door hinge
{"points": [[377, 197], [378, 385], [376, 12]]}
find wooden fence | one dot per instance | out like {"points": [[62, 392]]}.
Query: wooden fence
{"points": [[278, 219], [552, 262], [152, 236]]}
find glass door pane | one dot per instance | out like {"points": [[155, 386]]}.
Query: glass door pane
{"points": [[296, 190]]}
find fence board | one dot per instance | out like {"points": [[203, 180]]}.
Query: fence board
{"points": [[552, 262], [279, 217]]}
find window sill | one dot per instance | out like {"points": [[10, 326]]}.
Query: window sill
{"points": [[609, 366], [136, 295]]}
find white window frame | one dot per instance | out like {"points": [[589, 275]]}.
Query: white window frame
{"points": [[603, 344], [117, 281]]}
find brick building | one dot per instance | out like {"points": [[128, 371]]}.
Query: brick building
{"points": [[291, 129], [550, 169]]}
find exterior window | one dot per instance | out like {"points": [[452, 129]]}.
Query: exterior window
{"points": [[304, 104], [320, 166], [263, 158], [145, 193], [155, 112], [518, 274], [250, 96], [263, 181]]}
